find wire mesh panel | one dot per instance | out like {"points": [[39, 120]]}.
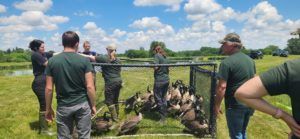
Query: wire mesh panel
{"points": [[204, 82], [138, 79]]}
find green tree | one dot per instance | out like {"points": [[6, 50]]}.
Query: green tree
{"points": [[136, 53], [269, 49], [294, 46], [163, 46], [205, 51]]}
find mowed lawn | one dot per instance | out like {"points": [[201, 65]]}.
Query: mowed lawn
{"points": [[19, 106]]}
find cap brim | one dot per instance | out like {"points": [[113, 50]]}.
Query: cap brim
{"points": [[222, 41]]}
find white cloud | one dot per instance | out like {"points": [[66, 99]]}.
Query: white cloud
{"points": [[2, 8], [118, 33], [174, 5], [263, 25], [147, 22], [34, 5], [218, 26], [84, 13], [31, 20], [90, 26], [201, 6]]}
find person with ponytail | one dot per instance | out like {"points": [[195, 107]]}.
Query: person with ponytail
{"points": [[161, 81], [39, 62]]}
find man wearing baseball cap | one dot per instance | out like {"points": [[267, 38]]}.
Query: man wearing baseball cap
{"points": [[112, 79], [236, 69]]}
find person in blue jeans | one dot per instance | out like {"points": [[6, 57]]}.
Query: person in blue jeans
{"points": [[161, 82], [236, 69]]}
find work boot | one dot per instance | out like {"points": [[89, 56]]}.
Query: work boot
{"points": [[113, 112], [117, 109], [44, 130]]}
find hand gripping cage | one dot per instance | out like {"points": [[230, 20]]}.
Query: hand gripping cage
{"points": [[139, 77]]}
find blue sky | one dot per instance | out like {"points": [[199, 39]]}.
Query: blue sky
{"points": [[131, 24]]}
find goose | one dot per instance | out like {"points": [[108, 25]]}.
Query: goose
{"points": [[130, 102], [149, 104], [131, 123], [146, 96], [102, 124], [174, 107], [196, 127], [186, 95]]}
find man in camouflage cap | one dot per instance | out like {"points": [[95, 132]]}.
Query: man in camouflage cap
{"points": [[236, 69]]}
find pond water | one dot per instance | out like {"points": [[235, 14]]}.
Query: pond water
{"points": [[18, 72]]}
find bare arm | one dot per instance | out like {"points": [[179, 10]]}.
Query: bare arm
{"points": [[46, 63], [48, 98], [91, 91], [221, 87], [251, 94]]}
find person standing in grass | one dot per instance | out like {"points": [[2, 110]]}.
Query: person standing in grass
{"points": [[72, 75], [112, 79], [39, 62], [161, 81], [233, 72], [283, 79]]}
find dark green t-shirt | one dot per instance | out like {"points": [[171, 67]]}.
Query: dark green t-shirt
{"points": [[68, 70], [162, 73], [235, 70], [285, 79], [110, 74]]}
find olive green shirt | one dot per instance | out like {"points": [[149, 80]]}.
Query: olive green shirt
{"points": [[285, 79], [235, 70], [68, 70], [110, 74], [162, 73]]}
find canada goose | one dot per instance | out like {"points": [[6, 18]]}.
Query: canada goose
{"points": [[196, 127], [102, 124], [146, 96], [186, 95], [130, 102], [189, 115], [149, 104], [131, 123], [175, 93], [174, 107], [187, 105]]}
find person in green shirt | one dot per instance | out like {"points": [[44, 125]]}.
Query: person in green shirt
{"points": [[161, 82], [112, 79], [236, 69], [283, 79], [75, 92]]}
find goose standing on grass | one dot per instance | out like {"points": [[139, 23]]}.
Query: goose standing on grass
{"points": [[102, 124], [131, 123]]}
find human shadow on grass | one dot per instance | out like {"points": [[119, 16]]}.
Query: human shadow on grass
{"points": [[34, 125]]}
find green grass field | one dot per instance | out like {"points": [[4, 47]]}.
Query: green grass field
{"points": [[19, 106]]}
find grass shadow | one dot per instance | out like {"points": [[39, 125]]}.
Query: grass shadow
{"points": [[151, 115], [34, 125]]}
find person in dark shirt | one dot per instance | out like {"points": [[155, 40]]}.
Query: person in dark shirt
{"points": [[283, 79], [39, 62], [75, 92], [236, 69], [161, 82], [112, 78], [87, 49]]}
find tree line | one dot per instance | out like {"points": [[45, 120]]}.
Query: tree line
{"points": [[23, 55]]}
